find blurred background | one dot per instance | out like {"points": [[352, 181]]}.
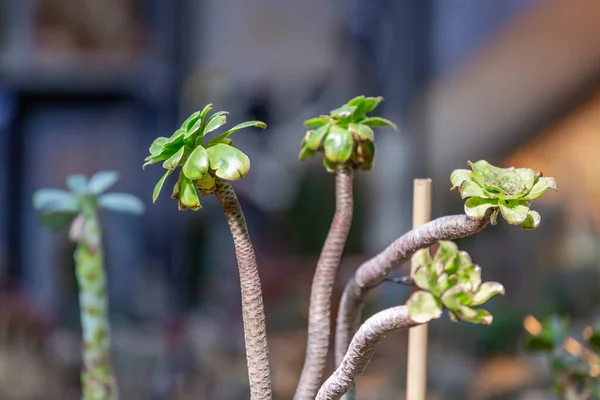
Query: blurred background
{"points": [[86, 85]]}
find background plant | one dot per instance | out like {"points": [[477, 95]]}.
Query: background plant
{"points": [[80, 207], [575, 365]]}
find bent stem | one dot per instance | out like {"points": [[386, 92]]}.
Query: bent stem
{"points": [[253, 313], [374, 271], [319, 318], [361, 350], [97, 378]]}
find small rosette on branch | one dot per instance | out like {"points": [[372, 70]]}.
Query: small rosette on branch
{"points": [[201, 161], [506, 191], [345, 135], [450, 280]]}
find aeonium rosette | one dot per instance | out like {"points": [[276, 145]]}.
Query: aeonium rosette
{"points": [[506, 191], [450, 280]]}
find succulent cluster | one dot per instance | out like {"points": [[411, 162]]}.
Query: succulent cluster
{"points": [[576, 365], [508, 191], [345, 135], [201, 161], [450, 280], [59, 207]]}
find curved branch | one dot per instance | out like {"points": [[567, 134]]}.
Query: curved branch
{"points": [[319, 317], [374, 271], [361, 350], [253, 313]]}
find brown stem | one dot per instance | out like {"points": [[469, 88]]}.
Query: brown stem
{"points": [[361, 350], [319, 317], [372, 272], [253, 313]]}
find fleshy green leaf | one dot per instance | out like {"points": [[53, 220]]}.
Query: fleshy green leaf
{"points": [[471, 189], [357, 101], [475, 316], [423, 307], [121, 202], [470, 278], [315, 122], [329, 165], [486, 291], [159, 185], [155, 159], [422, 257], [476, 207], [506, 183], [188, 196], [306, 152], [206, 184], [196, 164], [207, 108], [228, 162], [378, 121], [215, 121], [541, 187], [157, 145], [450, 299], [458, 176], [54, 200], [514, 211], [371, 103], [192, 131], [364, 156], [173, 161], [421, 278], [344, 111], [78, 183], [243, 125], [483, 172], [175, 191], [532, 221], [446, 253], [316, 137], [364, 132], [102, 181], [175, 139], [364, 106], [190, 121], [338, 144]]}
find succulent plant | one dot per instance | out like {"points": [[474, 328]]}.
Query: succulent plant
{"points": [[450, 280], [201, 161], [508, 191], [345, 135]]}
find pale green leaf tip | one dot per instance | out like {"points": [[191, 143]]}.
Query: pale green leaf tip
{"points": [[423, 307]]}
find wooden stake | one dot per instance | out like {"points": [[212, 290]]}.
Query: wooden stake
{"points": [[416, 379]]}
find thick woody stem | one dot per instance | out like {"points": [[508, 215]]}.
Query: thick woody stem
{"points": [[361, 350], [97, 377], [374, 271], [319, 318], [253, 313]]}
